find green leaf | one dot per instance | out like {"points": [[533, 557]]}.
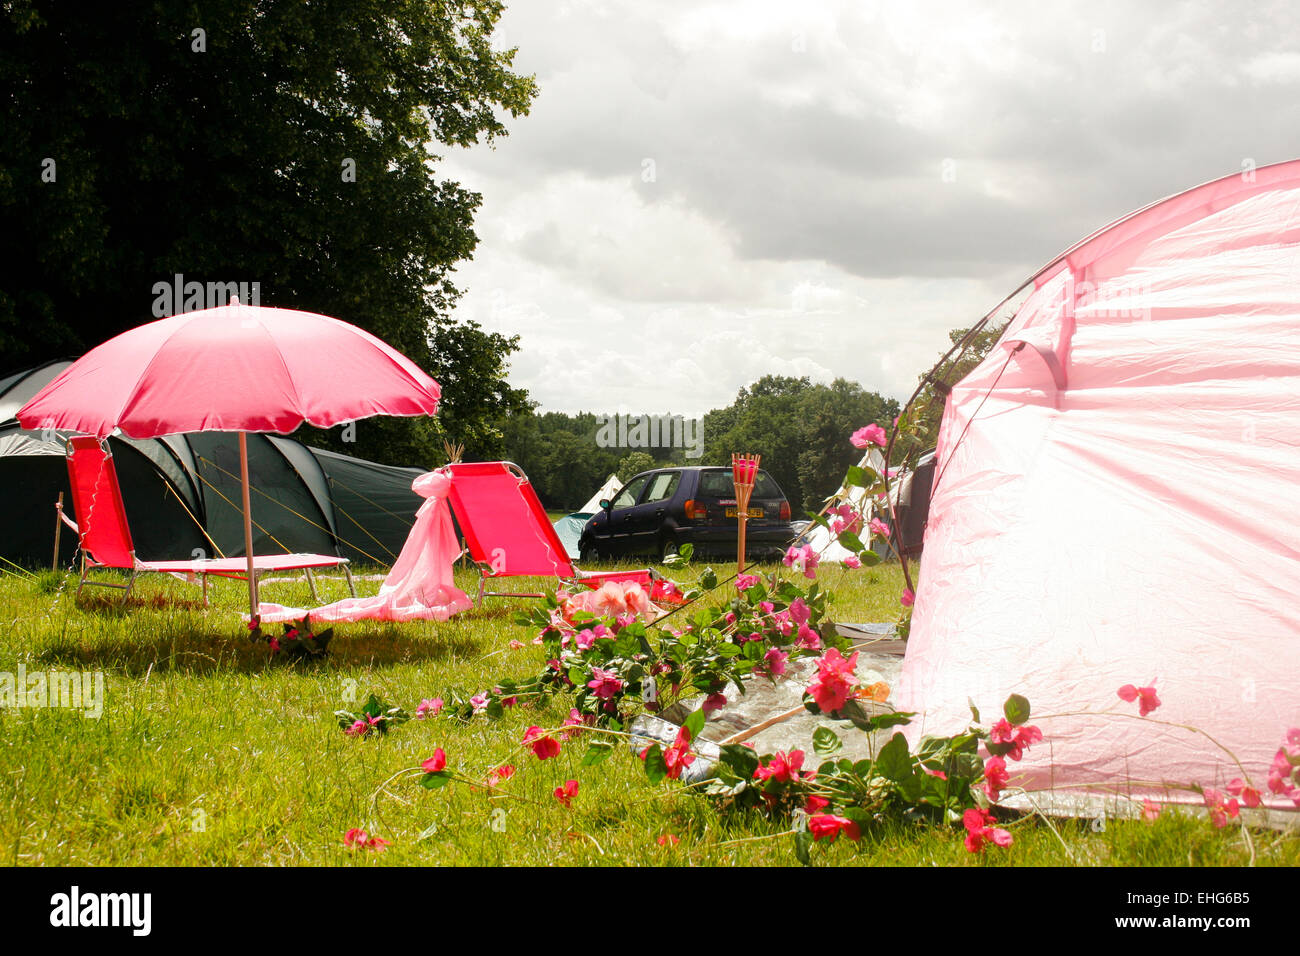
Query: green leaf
{"points": [[709, 579], [856, 477], [742, 760], [851, 541], [726, 649], [695, 722], [802, 842], [1017, 710], [655, 768], [435, 781], [894, 761], [596, 753], [868, 558], [826, 741]]}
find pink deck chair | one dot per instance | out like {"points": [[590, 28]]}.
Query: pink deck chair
{"points": [[106, 539], [508, 534]]}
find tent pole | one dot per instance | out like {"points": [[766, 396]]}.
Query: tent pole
{"points": [[248, 527]]}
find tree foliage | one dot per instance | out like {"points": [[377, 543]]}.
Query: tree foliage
{"points": [[285, 143]]}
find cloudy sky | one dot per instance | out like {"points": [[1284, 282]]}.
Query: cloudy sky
{"points": [[707, 192]]}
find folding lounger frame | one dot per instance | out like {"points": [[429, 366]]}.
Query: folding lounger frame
{"points": [[105, 537], [508, 534]]}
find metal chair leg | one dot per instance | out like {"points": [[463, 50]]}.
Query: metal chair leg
{"points": [[311, 583], [352, 587]]}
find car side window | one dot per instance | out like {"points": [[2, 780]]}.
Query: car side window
{"points": [[663, 486], [631, 492]]}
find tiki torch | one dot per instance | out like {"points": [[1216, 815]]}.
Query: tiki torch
{"points": [[744, 471]]}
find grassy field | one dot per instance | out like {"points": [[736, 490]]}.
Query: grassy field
{"points": [[208, 752]]}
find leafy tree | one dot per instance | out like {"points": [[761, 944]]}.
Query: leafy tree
{"points": [[271, 141], [634, 463]]}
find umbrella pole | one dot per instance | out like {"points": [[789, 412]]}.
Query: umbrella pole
{"points": [[248, 527]]}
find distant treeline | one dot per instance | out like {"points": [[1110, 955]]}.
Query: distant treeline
{"points": [[801, 429]]}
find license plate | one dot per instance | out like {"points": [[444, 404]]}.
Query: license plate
{"points": [[753, 512]]}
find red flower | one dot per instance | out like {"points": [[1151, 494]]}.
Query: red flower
{"points": [[829, 826], [1219, 810], [606, 683], [437, 762], [979, 830], [356, 839], [995, 777], [835, 680], [1249, 795], [543, 746], [784, 768], [1145, 696], [566, 793], [815, 804], [679, 756], [1018, 739], [669, 839], [503, 772]]}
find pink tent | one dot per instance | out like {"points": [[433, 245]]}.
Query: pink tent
{"points": [[1117, 501]]}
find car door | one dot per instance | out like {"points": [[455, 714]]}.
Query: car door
{"points": [[620, 514], [648, 515]]}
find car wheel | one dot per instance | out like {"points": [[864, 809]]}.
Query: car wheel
{"points": [[667, 547]]}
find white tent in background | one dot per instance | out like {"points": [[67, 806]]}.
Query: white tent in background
{"points": [[569, 528], [820, 538], [608, 490]]}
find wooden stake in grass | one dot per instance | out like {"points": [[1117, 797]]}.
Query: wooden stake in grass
{"points": [[744, 471]]}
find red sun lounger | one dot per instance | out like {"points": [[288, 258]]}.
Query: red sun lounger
{"points": [[508, 534], [106, 539]]}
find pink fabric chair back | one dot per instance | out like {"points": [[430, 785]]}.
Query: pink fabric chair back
{"points": [[505, 526], [97, 504]]}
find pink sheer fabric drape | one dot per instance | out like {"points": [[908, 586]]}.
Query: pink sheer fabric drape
{"points": [[420, 585]]}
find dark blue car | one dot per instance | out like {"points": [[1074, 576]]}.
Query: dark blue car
{"points": [[659, 511]]}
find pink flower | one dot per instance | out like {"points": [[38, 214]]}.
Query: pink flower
{"points": [[436, 763], [799, 611], [995, 777], [803, 559], [1145, 696], [871, 434], [566, 793], [809, 639], [503, 772], [1219, 810], [1249, 795], [980, 829], [774, 662], [784, 768], [606, 683], [835, 680], [542, 745], [879, 527], [356, 839], [479, 702], [1279, 774], [907, 598], [852, 561], [714, 702], [1150, 811], [1019, 739], [746, 581], [515, 645], [669, 839], [359, 728], [428, 708], [828, 826]]}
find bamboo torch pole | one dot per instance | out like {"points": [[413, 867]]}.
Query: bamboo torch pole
{"points": [[744, 471]]}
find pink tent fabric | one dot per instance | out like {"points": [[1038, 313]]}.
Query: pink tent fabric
{"points": [[420, 585], [1117, 501]]}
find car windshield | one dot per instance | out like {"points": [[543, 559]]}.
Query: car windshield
{"points": [[718, 484]]}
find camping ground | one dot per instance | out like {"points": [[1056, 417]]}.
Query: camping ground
{"points": [[211, 752]]}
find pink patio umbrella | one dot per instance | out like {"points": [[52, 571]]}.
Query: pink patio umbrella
{"points": [[235, 368]]}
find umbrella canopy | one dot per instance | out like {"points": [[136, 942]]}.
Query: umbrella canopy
{"points": [[235, 368]]}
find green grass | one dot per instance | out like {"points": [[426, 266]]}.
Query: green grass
{"points": [[210, 753]]}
